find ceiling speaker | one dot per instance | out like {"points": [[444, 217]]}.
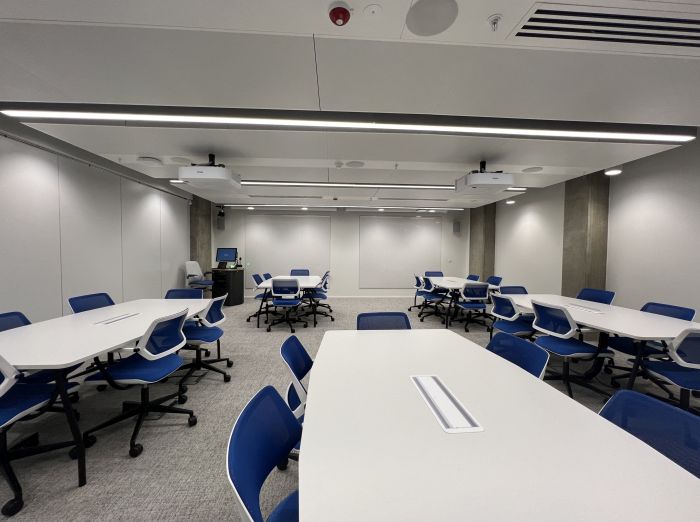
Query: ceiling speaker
{"points": [[431, 17]]}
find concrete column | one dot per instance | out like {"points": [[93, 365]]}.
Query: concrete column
{"points": [[482, 240], [585, 233], [200, 232]]}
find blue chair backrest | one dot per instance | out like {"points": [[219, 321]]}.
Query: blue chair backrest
{"points": [[668, 429], [552, 320], [596, 295], [267, 275], [475, 291], [428, 284], [296, 357], [258, 280], [215, 313], [10, 320], [418, 282], [494, 280], [522, 352], [293, 400], [383, 321], [473, 277], [677, 312], [185, 293], [262, 437], [83, 303], [299, 272], [165, 336], [503, 307], [512, 290], [685, 349], [285, 287], [433, 273]]}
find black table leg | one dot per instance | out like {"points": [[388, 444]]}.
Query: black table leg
{"points": [[598, 362], [62, 387], [639, 347]]}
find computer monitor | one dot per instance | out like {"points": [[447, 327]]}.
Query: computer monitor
{"points": [[226, 255]]}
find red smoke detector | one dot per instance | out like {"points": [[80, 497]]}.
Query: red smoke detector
{"points": [[339, 15]]}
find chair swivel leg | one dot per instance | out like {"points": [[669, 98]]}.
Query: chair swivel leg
{"points": [[566, 377], [199, 364], [218, 358], [13, 506]]}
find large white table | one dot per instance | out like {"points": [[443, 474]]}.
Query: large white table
{"points": [[457, 283], [372, 450], [305, 282]]}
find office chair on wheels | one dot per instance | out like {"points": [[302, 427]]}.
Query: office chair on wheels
{"points": [[286, 295]]}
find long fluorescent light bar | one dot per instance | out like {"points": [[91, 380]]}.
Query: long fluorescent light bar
{"points": [[340, 125], [331, 184], [280, 205]]}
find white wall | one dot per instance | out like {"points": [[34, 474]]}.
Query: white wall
{"points": [[345, 250], [530, 240], [653, 235], [67, 228]]}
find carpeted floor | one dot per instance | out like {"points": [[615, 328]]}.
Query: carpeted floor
{"points": [[181, 473]]}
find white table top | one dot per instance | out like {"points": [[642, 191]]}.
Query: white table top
{"points": [[610, 318], [372, 450], [457, 283], [304, 281], [68, 340]]}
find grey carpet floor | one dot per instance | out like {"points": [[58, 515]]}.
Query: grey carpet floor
{"points": [[181, 474]]}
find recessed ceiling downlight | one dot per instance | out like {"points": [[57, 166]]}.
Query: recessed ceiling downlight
{"points": [[431, 17], [355, 164], [530, 170], [613, 172], [150, 159]]}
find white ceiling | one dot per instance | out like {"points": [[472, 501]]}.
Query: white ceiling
{"points": [[287, 55]]}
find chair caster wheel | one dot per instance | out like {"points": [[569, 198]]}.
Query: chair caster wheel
{"points": [[89, 441], [268, 329], [229, 363], [293, 330], [306, 325], [283, 465], [421, 319], [614, 384], [332, 319], [12, 507], [74, 397], [207, 353], [101, 387], [182, 399], [227, 377], [192, 421], [135, 450], [247, 320]]}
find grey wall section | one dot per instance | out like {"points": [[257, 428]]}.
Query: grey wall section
{"points": [[201, 232], [69, 228], [653, 239], [482, 241], [585, 233]]}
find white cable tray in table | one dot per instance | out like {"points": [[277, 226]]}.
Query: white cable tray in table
{"points": [[450, 413]]}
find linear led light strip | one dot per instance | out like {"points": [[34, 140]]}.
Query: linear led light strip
{"points": [[352, 125], [331, 184], [281, 205]]}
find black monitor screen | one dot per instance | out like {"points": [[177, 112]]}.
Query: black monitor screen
{"points": [[226, 254]]}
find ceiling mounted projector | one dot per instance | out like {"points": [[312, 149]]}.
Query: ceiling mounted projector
{"points": [[209, 176], [483, 182]]}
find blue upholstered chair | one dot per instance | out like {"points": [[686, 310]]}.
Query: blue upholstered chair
{"points": [[473, 299], [262, 296], [433, 301], [473, 277], [512, 290], [669, 430], [434, 273], [286, 295], [559, 339], [521, 352], [155, 358], [317, 296], [683, 368], [267, 276], [299, 272], [299, 363], [509, 319], [420, 292], [383, 321], [83, 303], [195, 277], [184, 293], [494, 280], [262, 438], [597, 296]]}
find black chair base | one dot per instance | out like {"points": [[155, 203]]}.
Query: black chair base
{"points": [[315, 312], [205, 364], [568, 379], [289, 320]]}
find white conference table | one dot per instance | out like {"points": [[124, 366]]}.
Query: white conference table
{"points": [[63, 342], [457, 283], [372, 450], [305, 282]]}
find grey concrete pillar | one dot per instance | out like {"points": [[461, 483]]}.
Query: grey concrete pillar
{"points": [[585, 233], [200, 232], [482, 240]]}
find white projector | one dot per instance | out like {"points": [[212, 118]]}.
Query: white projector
{"points": [[483, 183], [209, 177]]}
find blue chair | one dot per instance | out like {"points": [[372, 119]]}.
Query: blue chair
{"points": [[638, 350], [520, 352], [195, 277], [433, 301], [597, 296], [155, 358], [184, 293], [299, 363], [473, 277], [83, 303], [672, 432], [512, 290], [418, 285], [473, 299], [434, 273], [683, 369], [383, 321], [316, 296], [559, 339], [206, 330], [299, 272], [494, 280], [19, 400], [267, 276], [264, 434], [509, 319], [259, 295], [286, 294]]}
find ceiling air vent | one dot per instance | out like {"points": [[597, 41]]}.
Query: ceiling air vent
{"points": [[612, 29]]}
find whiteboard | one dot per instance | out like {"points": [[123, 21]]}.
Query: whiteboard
{"points": [[276, 244], [392, 249]]}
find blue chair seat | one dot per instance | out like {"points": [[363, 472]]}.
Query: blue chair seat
{"points": [[23, 397], [626, 345], [317, 295], [260, 296], [286, 302], [565, 347], [518, 327], [287, 510], [431, 297], [687, 378], [472, 305], [204, 334], [137, 370], [202, 282]]}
